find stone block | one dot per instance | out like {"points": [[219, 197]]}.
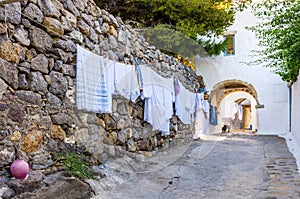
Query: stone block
{"points": [[76, 35], [122, 123], [68, 46], [12, 13], [7, 156], [66, 187], [61, 118], [34, 12], [40, 39], [69, 5], [21, 36], [122, 137], [49, 8], [59, 84], [32, 141], [57, 132], [12, 52], [37, 82], [41, 161], [53, 26], [112, 138], [16, 112], [16, 136], [23, 83], [69, 21], [131, 145]]}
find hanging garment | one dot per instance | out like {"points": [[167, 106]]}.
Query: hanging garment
{"points": [[231, 110], [202, 90], [158, 93], [176, 87], [185, 103], [234, 110], [240, 112], [139, 76], [213, 116], [199, 116], [199, 101], [125, 81], [92, 86], [199, 124], [205, 106]]}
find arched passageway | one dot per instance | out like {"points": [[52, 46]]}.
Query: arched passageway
{"points": [[237, 104]]}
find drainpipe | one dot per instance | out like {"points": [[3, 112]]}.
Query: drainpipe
{"points": [[289, 85], [290, 106]]}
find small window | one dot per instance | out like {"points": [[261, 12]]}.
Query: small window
{"points": [[230, 47]]}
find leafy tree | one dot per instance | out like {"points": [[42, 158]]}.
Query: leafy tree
{"points": [[279, 36], [189, 17]]}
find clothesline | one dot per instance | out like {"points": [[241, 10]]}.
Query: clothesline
{"points": [[99, 78]]}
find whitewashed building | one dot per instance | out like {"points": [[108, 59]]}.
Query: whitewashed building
{"points": [[261, 95]]}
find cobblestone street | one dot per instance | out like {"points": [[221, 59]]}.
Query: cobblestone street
{"points": [[218, 166]]}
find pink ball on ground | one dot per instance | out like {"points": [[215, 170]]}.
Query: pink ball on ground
{"points": [[19, 169]]}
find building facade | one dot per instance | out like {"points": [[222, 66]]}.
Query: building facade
{"points": [[248, 97]]}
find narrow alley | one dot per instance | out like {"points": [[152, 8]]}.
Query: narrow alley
{"points": [[218, 166]]}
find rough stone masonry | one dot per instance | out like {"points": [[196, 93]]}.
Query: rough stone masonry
{"points": [[38, 115]]}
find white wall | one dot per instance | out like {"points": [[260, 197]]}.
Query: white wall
{"points": [[296, 111], [271, 90]]}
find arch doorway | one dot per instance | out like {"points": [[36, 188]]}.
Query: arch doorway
{"points": [[237, 104]]}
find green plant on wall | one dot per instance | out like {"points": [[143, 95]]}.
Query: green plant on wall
{"points": [[279, 36], [75, 165]]}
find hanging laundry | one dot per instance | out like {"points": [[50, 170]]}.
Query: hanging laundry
{"points": [[234, 110], [158, 93], [231, 110], [98, 78], [125, 81], [199, 116], [206, 106], [92, 87], [176, 87], [139, 75], [199, 101], [240, 112], [185, 105], [230, 114], [213, 116], [202, 90]]}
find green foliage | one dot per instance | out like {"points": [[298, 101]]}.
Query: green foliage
{"points": [[191, 18], [172, 42], [75, 164], [279, 35]]}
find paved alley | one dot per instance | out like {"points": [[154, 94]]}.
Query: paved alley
{"points": [[219, 166]]}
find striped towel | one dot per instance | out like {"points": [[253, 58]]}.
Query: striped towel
{"points": [[92, 93]]}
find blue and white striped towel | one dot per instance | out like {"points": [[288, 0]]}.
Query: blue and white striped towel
{"points": [[92, 93]]}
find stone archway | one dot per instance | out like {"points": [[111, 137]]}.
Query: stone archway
{"points": [[224, 88], [236, 91]]}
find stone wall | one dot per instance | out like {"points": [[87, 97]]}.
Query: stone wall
{"points": [[38, 116]]}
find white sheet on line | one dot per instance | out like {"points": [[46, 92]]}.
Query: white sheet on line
{"points": [[158, 93], [185, 105], [125, 81]]}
